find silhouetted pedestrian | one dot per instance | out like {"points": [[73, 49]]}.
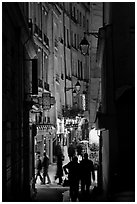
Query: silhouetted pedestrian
{"points": [[71, 151], [58, 150], [86, 167], [59, 157], [38, 169], [59, 172], [72, 169], [79, 150], [45, 166]]}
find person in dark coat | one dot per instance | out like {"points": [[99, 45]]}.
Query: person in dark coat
{"points": [[72, 169], [79, 150], [59, 172], [38, 169], [71, 152], [86, 167], [45, 166], [59, 157]]}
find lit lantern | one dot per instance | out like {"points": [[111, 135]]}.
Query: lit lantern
{"points": [[46, 101], [84, 46]]}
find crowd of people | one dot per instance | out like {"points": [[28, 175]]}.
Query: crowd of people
{"points": [[78, 172]]}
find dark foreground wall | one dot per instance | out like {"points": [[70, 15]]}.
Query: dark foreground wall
{"points": [[118, 93], [15, 113]]}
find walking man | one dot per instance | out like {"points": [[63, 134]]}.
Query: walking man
{"points": [[38, 169], [72, 169], [59, 157], [71, 152], [86, 167], [45, 166], [59, 171]]}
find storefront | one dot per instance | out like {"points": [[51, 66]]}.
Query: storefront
{"points": [[44, 140]]}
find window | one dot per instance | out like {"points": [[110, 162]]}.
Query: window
{"points": [[74, 12], [68, 41], [78, 15], [75, 40], [61, 66], [78, 69], [81, 70], [74, 68], [80, 19], [39, 16], [72, 38], [87, 25], [84, 22], [45, 67], [76, 74]]}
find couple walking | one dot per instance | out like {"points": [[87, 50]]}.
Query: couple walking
{"points": [[79, 172], [42, 166]]}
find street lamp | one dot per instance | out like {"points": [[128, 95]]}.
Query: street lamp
{"points": [[84, 44]]}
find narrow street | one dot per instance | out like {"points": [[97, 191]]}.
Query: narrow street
{"points": [[68, 88], [54, 192]]}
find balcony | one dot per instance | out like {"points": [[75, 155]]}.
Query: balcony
{"points": [[46, 40], [57, 78], [74, 19], [36, 30], [46, 86], [56, 43], [61, 40], [40, 33]]}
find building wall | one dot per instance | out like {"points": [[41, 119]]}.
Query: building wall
{"points": [[96, 22], [124, 75], [118, 90], [15, 116]]}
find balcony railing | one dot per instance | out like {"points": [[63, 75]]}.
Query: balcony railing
{"points": [[61, 39], [46, 86], [40, 34], [36, 30], [56, 43], [46, 40], [57, 78]]}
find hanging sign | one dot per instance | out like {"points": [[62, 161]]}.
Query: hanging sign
{"points": [[46, 101]]}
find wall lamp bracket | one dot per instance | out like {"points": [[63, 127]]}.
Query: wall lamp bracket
{"points": [[76, 88], [94, 33], [68, 88]]}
